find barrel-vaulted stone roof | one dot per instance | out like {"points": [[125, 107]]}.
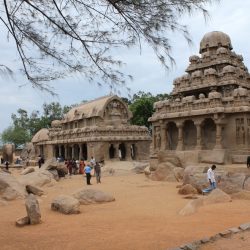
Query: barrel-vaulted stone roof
{"points": [[41, 135], [93, 108]]}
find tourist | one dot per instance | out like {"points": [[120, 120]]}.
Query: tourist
{"points": [[39, 161], [74, 166], [87, 170], [81, 166], [211, 179], [248, 161], [92, 161], [7, 165], [97, 169], [69, 166]]}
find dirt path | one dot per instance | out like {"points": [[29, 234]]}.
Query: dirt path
{"points": [[144, 216]]}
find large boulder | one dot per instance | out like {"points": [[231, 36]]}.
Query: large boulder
{"points": [[139, 167], [216, 196], [241, 195], [187, 189], [10, 188], [66, 204], [197, 179], [90, 196], [27, 170], [33, 210], [28, 152], [38, 178], [234, 182], [178, 173], [34, 190], [164, 172]]}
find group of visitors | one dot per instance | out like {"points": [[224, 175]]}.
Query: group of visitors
{"points": [[85, 167]]}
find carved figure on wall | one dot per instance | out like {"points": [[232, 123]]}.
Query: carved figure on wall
{"points": [[157, 138], [240, 131]]}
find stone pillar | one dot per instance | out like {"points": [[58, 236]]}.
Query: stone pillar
{"points": [[218, 144], [180, 136], [128, 151], [163, 136], [60, 150], [198, 129], [80, 152], [66, 151], [73, 152]]}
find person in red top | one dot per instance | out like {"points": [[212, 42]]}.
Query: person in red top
{"points": [[81, 166]]}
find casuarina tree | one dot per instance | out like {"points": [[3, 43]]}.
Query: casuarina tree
{"points": [[55, 38]]}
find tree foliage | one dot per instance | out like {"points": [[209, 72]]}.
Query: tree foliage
{"points": [[25, 126], [55, 38], [142, 107]]}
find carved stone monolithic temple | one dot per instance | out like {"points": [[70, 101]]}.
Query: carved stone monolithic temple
{"points": [[207, 117], [99, 128]]}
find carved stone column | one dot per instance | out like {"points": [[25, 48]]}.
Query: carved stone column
{"points": [[60, 150], [198, 129], [72, 152], [66, 151], [180, 136], [80, 152], [218, 144], [163, 136]]}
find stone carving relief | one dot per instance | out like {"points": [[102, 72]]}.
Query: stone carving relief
{"points": [[157, 138], [240, 131]]}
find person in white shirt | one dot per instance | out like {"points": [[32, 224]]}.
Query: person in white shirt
{"points": [[92, 161], [211, 180]]}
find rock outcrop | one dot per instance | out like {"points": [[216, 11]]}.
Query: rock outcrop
{"points": [[66, 204], [90, 196], [33, 210], [10, 188], [34, 190], [27, 170]]}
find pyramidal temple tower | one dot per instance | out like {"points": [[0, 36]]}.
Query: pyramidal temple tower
{"points": [[207, 117]]}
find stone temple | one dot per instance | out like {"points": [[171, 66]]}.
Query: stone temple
{"points": [[98, 128], [207, 117]]}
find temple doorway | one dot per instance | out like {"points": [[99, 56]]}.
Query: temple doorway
{"points": [[122, 151], [84, 151], [172, 136], [208, 134], [133, 152], [189, 135], [111, 151]]}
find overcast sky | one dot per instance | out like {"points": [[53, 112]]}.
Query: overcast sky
{"points": [[229, 16]]}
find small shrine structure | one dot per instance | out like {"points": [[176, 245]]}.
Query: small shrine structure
{"points": [[207, 117], [98, 128]]}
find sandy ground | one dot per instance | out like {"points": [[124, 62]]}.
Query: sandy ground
{"points": [[144, 216]]}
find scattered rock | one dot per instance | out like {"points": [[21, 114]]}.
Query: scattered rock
{"points": [[217, 196], [34, 190], [27, 170], [191, 207], [187, 189], [164, 172], [242, 195], [33, 210], [178, 173], [90, 196], [66, 204], [54, 172], [38, 178], [10, 188], [147, 171], [139, 167], [23, 221]]}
